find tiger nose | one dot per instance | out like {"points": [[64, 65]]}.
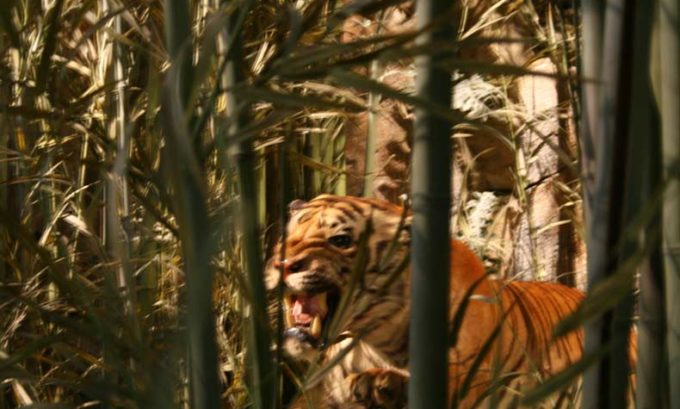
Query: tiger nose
{"points": [[290, 267]]}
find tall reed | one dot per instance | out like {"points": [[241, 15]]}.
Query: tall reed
{"points": [[431, 198], [668, 99], [263, 381], [189, 202]]}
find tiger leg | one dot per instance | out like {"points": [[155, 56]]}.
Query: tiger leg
{"points": [[379, 388]]}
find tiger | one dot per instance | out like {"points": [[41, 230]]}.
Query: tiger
{"points": [[345, 284]]}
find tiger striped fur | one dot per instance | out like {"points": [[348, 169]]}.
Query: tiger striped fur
{"points": [[368, 351]]}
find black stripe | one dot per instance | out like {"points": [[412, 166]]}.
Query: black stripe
{"points": [[348, 213], [356, 207]]}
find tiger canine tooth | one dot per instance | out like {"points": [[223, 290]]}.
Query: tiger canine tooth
{"points": [[315, 329], [290, 323], [287, 312]]}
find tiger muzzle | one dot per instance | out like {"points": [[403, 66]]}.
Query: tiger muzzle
{"points": [[312, 284], [307, 314]]}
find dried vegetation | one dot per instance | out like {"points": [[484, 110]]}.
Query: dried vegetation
{"points": [[93, 307]]}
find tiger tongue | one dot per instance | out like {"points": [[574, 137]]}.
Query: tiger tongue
{"points": [[306, 307]]}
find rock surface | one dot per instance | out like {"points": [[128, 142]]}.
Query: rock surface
{"points": [[520, 147]]}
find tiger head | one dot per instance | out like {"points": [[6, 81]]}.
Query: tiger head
{"points": [[340, 247]]}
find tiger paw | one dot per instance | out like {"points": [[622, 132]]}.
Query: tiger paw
{"points": [[379, 388]]}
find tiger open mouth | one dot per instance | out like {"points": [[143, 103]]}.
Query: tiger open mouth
{"points": [[306, 315]]}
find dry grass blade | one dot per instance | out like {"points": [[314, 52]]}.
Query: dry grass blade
{"points": [[348, 79], [607, 294], [560, 381], [50, 43], [71, 338], [19, 356], [262, 381], [191, 212]]}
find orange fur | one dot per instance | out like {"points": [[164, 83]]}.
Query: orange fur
{"points": [[525, 313], [525, 345]]}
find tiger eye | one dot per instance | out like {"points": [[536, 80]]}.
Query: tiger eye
{"points": [[341, 241]]}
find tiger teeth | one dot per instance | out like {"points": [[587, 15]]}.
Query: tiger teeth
{"points": [[289, 319], [315, 329], [287, 303]]}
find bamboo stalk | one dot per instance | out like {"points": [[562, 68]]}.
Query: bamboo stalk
{"points": [[5, 95], [669, 102], [431, 196], [189, 199], [593, 20], [605, 146], [593, 12], [284, 199], [263, 381], [642, 177]]}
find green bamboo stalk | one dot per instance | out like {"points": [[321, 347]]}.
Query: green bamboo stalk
{"points": [[189, 199], [285, 197], [644, 173], [652, 375], [431, 196], [604, 154], [591, 38], [643, 176], [605, 142], [669, 102], [5, 94], [263, 381], [593, 19], [628, 175]]}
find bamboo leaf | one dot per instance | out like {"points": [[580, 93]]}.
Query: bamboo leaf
{"points": [[27, 351], [7, 25], [253, 94], [365, 7], [190, 208], [262, 383], [564, 378], [362, 83], [49, 45], [605, 296], [318, 61]]}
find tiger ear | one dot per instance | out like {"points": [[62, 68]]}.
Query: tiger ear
{"points": [[295, 206]]}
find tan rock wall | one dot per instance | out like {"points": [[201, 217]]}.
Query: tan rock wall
{"points": [[523, 149]]}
